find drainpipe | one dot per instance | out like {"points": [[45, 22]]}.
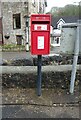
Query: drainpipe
{"points": [[76, 53], [27, 34]]}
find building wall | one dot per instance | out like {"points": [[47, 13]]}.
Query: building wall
{"points": [[10, 8], [0, 30], [33, 8], [80, 38], [0, 25], [0, 9], [67, 41]]}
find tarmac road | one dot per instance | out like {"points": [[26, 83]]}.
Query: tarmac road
{"points": [[15, 55], [33, 111]]}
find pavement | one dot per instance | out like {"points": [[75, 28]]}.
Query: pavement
{"points": [[24, 103]]}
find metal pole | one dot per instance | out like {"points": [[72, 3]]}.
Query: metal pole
{"points": [[74, 67], [39, 75]]}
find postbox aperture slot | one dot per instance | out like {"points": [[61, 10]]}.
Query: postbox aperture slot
{"points": [[40, 22]]}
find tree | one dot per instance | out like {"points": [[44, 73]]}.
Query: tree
{"points": [[68, 10]]}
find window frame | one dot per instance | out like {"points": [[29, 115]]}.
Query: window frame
{"points": [[55, 44], [15, 22], [33, 3]]}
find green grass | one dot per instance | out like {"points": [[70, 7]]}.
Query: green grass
{"points": [[12, 47]]}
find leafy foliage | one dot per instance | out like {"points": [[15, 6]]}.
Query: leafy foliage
{"points": [[68, 10]]}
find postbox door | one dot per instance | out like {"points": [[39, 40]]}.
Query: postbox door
{"points": [[40, 43]]}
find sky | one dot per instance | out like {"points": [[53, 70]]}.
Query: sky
{"points": [[59, 3]]}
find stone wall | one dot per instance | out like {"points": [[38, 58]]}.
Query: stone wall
{"points": [[67, 41], [0, 9], [80, 38], [0, 30], [10, 8], [0, 25]]}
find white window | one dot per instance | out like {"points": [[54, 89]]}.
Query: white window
{"points": [[59, 26], [55, 41]]}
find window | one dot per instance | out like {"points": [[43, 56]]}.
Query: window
{"points": [[33, 3], [19, 39], [59, 27], [55, 41], [26, 5], [16, 21]]}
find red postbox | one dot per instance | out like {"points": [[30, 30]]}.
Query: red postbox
{"points": [[40, 34]]}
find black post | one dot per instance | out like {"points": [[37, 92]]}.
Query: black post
{"points": [[39, 75]]}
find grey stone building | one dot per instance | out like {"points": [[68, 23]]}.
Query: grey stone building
{"points": [[0, 25], [15, 18], [67, 40]]}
